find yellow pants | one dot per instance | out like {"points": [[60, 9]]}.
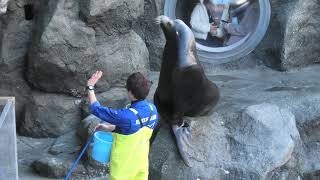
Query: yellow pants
{"points": [[129, 155]]}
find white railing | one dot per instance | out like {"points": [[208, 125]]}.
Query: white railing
{"points": [[8, 144]]}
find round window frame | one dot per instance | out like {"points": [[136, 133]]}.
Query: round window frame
{"points": [[237, 50]]}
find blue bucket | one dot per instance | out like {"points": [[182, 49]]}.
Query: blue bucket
{"points": [[101, 146]]}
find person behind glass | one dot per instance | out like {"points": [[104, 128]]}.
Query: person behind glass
{"points": [[203, 26], [235, 31], [208, 14], [132, 128]]}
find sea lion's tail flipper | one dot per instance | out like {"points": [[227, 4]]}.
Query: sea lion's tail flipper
{"points": [[182, 134]]}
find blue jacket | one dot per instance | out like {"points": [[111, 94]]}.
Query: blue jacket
{"points": [[125, 120]]}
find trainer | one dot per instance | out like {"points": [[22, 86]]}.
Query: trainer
{"points": [[132, 128]]}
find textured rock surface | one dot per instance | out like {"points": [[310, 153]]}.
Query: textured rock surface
{"points": [[120, 56], [302, 35], [63, 48], [270, 49], [67, 144], [111, 17], [15, 35], [292, 35], [58, 167], [153, 36], [29, 150], [51, 115], [87, 126], [254, 132], [66, 49], [13, 84]]}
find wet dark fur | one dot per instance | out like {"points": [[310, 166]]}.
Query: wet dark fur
{"points": [[183, 88]]}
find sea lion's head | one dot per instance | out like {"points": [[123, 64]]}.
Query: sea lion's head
{"points": [[172, 29]]}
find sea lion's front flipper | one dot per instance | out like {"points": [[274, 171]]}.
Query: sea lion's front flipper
{"points": [[182, 134]]}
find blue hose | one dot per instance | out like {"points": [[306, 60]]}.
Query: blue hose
{"points": [[79, 157]]}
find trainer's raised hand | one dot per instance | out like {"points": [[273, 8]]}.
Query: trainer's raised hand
{"points": [[94, 78]]}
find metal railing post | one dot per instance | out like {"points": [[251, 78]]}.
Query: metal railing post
{"points": [[8, 140]]}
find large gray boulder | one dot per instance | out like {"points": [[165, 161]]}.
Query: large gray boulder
{"points": [[50, 115], [270, 49], [292, 37], [63, 51], [111, 17], [262, 140], [301, 40], [120, 56], [65, 48]]}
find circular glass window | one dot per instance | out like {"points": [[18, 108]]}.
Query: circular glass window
{"points": [[225, 30]]}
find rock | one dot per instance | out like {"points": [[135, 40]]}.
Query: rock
{"points": [[302, 35], [270, 49], [13, 84], [29, 150], [78, 57], [150, 31], [87, 127], [264, 127], [111, 17], [63, 47], [68, 143], [249, 144], [15, 35], [51, 115], [14, 44], [121, 56], [292, 35], [58, 167], [114, 98]]}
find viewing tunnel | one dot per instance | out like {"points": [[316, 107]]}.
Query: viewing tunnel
{"points": [[250, 17]]}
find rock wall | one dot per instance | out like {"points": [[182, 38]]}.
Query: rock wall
{"points": [[292, 35]]}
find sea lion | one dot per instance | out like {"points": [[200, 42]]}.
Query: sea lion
{"points": [[183, 88]]}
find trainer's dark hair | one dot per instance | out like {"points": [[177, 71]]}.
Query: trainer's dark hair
{"points": [[138, 85]]}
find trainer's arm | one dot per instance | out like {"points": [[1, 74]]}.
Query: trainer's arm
{"points": [[92, 97], [104, 113], [91, 82]]}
